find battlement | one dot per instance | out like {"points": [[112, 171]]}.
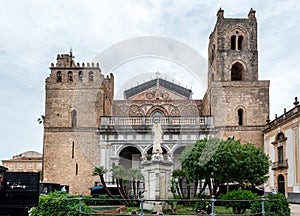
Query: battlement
{"points": [[67, 61]]}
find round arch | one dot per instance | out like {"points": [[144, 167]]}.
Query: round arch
{"points": [[176, 151], [130, 157]]}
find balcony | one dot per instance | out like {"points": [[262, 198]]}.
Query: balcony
{"points": [[189, 121], [283, 164]]}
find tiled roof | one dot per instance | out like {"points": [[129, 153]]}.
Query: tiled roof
{"points": [[161, 82]]}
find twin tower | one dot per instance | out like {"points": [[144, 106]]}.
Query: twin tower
{"points": [[80, 102]]}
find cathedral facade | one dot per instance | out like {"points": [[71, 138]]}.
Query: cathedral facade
{"points": [[86, 127]]}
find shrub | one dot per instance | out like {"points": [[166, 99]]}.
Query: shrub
{"points": [[239, 207], [58, 204], [275, 205]]}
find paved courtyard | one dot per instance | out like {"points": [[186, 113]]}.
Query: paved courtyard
{"points": [[295, 209]]}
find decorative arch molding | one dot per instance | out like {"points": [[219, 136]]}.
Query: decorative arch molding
{"points": [[280, 137], [121, 147], [238, 31], [157, 109], [176, 147]]}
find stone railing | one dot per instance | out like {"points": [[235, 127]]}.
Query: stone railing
{"points": [[280, 164], [205, 121]]}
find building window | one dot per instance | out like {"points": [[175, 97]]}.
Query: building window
{"points": [[76, 169], [80, 76], [74, 118], [58, 76], [240, 117], [240, 42], [91, 76], [280, 136], [280, 154], [233, 42], [237, 72], [73, 149], [70, 76], [236, 41]]}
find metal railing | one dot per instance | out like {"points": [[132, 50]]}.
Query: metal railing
{"points": [[142, 202]]}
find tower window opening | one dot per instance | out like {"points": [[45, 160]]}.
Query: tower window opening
{"points": [[70, 76], [74, 118], [236, 72], [240, 42], [91, 76], [73, 149], [58, 76], [80, 76], [233, 42], [76, 169], [240, 117]]}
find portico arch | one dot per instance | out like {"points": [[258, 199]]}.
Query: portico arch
{"points": [[130, 157]]}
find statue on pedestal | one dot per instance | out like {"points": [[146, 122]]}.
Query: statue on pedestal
{"points": [[157, 141]]}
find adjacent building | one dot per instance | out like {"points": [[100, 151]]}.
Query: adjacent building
{"points": [[281, 143], [29, 161]]}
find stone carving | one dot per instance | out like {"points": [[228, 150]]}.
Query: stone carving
{"points": [[157, 138]]}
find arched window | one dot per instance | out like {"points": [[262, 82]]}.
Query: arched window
{"points": [[280, 136], [80, 76], [233, 42], [91, 76], [74, 118], [58, 76], [237, 72], [240, 42], [70, 76], [240, 116]]}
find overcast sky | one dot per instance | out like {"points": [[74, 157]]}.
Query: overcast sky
{"points": [[34, 32]]}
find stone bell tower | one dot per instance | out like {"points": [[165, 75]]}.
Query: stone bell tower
{"points": [[237, 100], [77, 95]]}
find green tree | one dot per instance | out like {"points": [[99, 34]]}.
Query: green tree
{"points": [[100, 171], [59, 204], [219, 162]]}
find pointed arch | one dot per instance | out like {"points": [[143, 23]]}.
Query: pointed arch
{"points": [[241, 118], [237, 71], [157, 109]]}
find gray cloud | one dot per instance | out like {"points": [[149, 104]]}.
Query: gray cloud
{"points": [[34, 32]]}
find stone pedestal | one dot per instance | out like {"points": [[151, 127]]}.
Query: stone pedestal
{"points": [[157, 173]]}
